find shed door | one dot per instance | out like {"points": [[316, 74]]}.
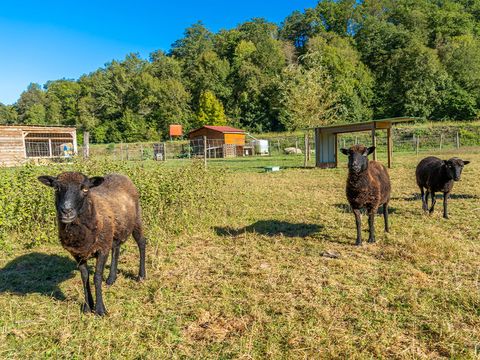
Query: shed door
{"points": [[325, 149]]}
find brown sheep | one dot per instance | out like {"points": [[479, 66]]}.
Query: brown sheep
{"points": [[368, 186], [435, 174], [96, 215]]}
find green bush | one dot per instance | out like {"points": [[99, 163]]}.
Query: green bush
{"points": [[173, 200]]}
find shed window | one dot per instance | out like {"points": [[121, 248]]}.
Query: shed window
{"points": [[47, 144]]}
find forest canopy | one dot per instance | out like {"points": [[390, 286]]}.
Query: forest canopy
{"points": [[341, 61]]}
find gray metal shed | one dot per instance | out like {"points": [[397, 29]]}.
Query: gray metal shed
{"points": [[326, 144]]}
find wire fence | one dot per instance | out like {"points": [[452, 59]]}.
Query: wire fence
{"points": [[294, 150]]}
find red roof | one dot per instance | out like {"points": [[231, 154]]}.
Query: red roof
{"points": [[222, 129]]}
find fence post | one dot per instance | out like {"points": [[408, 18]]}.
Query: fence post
{"points": [[417, 144], [205, 151], [165, 151], [308, 146], [441, 141], [86, 142], [305, 157], [458, 140], [141, 151]]}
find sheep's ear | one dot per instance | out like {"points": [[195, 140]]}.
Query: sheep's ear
{"points": [[466, 162], [47, 180], [95, 181], [344, 151], [369, 150]]}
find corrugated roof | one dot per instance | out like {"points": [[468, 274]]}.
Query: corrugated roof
{"points": [[222, 129]]}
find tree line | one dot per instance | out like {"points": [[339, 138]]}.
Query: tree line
{"points": [[340, 61]]}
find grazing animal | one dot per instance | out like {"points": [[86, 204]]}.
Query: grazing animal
{"points": [[96, 215], [434, 175], [368, 186]]}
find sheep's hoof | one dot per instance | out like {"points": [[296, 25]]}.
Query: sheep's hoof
{"points": [[141, 278], [101, 311], [110, 281], [358, 243], [86, 308], [371, 241]]}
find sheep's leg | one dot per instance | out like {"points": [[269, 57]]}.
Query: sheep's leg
{"points": [[446, 195], [434, 200], [424, 200], [97, 280], [358, 221], [112, 276], [371, 226], [142, 243], [385, 216], [88, 305]]}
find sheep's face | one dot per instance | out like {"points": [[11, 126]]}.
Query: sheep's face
{"points": [[71, 191], [357, 157], [454, 167]]}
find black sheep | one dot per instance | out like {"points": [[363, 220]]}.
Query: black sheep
{"points": [[434, 174], [96, 215], [368, 186]]}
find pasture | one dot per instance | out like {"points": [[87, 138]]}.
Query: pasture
{"points": [[239, 265]]}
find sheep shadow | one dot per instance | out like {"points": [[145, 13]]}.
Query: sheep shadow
{"points": [[37, 273], [345, 208], [438, 195], [272, 228]]}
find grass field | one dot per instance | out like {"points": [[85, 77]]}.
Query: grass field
{"points": [[252, 281]]}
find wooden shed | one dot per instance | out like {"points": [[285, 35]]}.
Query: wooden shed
{"points": [[326, 142], [222, 141], [18, 143]]}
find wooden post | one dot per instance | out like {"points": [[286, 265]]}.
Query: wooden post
{"points": [[344, 143], [389, 146], [356, 140], [278, 145], [50, 148], [336, 150], [458, 140], [164, 151], [126, 152], [86, 141], [308, 146], [141, 151], [441, 141], [305, 157], [417, 144], [374, 142], [205, 151]]}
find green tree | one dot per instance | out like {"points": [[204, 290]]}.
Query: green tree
{"points": [[350, 78], [210, 110], [309, 97], [8, 114], [31, 105]]}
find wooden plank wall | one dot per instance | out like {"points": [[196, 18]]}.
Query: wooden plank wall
{"points": [[11, 146]]}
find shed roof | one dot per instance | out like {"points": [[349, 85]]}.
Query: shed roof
{"points": [[365, 126], [222, 129], [38, 127]]}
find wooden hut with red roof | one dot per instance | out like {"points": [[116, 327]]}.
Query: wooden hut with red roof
{"points": [[222, 141]]}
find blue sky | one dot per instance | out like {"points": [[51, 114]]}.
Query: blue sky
{"points": [[48, 40]]}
